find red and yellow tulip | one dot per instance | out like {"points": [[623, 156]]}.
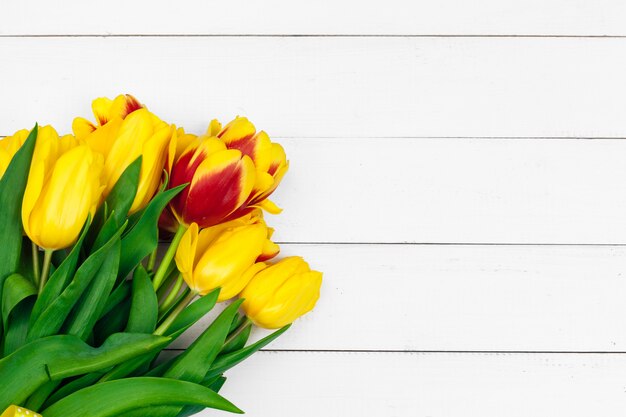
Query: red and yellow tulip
{"points": [[269, 159], [220, 182]]}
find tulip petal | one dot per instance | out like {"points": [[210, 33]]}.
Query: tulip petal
{"points": [[82, 127], [214, 128], [102, 109], [270, 250], [154, 154], [220, 185], [239, 129], [186, 253], [31, 195]]}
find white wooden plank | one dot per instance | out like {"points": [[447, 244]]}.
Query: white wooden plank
{"points": [[461, 298], [467, 191], [330, 87], [394, 17], [424, 385]]}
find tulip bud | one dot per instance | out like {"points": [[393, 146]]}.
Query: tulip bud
{"points": [[220, 181], [269, 159], [63, 188], [126, 131], [218, 257], [279, 294]]}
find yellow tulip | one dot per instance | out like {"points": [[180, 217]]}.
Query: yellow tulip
{"points": [[126, 131], [280, 293], [63, 188], [219, 256], [9, 147]]}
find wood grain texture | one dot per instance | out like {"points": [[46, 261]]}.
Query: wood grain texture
{"points": [[461, 298], [451, 385], [325, 17], [330, 87]]}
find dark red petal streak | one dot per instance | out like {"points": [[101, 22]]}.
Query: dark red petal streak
{"points": [[215, 196], [182, 172]]}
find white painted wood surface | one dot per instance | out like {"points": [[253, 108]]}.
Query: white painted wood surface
{"points": [[331, 87], [324, 17], [458, 124]]}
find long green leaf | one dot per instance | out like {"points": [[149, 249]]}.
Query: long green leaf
{"points": [[196, 361], [93, 301], [16, 289], [60, 278], [194, 312], [70, 388], [121, 197], [143, 238], [144, 310], [114, 398], [15, 336], [215, 385], [53, 317], [119, 294], [58, 357], [36, 400], [12, 186], [227, 361]]}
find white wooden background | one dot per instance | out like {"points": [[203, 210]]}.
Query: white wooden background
{"points": [[458, 172]]}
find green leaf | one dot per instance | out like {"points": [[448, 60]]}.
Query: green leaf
{"points": [[143, 238], [57, 357], [194, 312], [118, 295], [60, 278], [241, 339], [93, 301], [16, 289], [53, 317], [215, 385], [69, 388], [121, 197], [107, 231], [117, 397], [36, 400], [227, 361], [113, 322], [144, 309], [196, 361], [15, 336], [193, 364], [12, 186]]}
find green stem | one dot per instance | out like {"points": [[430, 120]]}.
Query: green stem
{"points": [[171, 297], [152, 259], [243, 326], [167, 259], [35, 262], [47, 260], [160, 331]]}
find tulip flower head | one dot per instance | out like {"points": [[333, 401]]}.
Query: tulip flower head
{"points": [[269, 159], [125, 131], [221, 256], [220, 182], [63, 189], [280, 293]]}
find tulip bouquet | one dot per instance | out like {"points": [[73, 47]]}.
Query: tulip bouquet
{"points": [[87, 307]]}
